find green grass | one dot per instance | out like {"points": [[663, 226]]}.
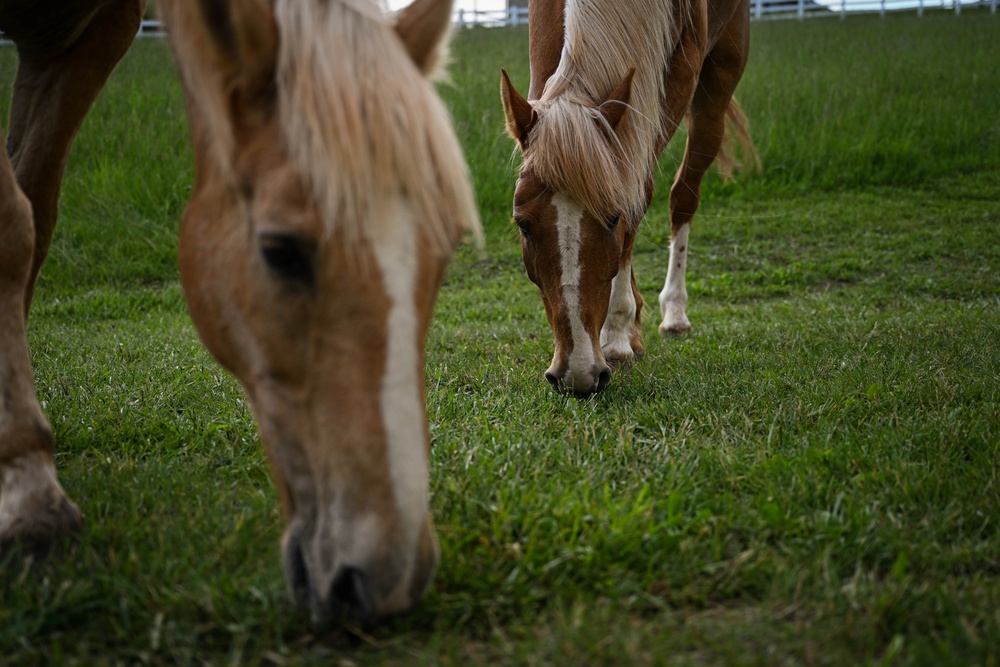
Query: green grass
{"points": [[809, 478]]}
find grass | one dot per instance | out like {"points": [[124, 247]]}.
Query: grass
{"points": [[809, 478]]}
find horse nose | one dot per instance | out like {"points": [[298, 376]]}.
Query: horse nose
{"points": [[351, 598], [580, 384], [603, 378], [554, 380]]}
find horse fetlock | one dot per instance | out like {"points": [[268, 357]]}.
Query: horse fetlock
{"points": [[673, 308], [675, 325], [616, 346], [624, 348], [35, 512]]}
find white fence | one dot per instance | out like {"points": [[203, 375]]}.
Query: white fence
{"points": [[759, 9]]}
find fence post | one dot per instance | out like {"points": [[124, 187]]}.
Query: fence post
{"points": [[881, 8], [958, 7], [802, 9], [920, 9], [843, 9], [993, 6], [461, 18], [758, 8]]}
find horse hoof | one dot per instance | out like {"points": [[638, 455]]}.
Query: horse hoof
{"points": [[60, 524], [625, 362], [675, 330], [620, 363], [35, 513]]}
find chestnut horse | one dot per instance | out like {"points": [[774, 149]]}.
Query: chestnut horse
{"points": [[611, 81], [330, 192]]}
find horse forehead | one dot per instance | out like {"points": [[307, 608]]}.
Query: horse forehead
{"points": [[533, 198]]}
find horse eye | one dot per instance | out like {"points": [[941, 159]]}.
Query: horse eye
{"points": [[288, 256], [522, 225], [613, 221]]}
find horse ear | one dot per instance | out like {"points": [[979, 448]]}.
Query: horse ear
{"points": [[520, 116], [423, 26], [256, 45], [613, 109]]}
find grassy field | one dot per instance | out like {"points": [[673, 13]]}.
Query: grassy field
{"points": [[810, 478]]}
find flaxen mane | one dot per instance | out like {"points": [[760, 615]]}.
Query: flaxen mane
{"points": [[572, 147], [364, 123], [359, 119]]}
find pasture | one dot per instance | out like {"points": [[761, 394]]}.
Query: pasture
{"points": [[810, 477]]}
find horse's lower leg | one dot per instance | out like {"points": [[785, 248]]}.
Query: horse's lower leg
{"points": [[52, 95], [706, 129], [684, 198], [33, 506], [621, 337]]}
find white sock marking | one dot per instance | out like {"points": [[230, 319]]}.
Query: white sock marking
{"points": [[673, 298], [616, 334]]}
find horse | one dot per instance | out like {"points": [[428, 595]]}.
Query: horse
{"points": [[330, 192], [611, 80]]}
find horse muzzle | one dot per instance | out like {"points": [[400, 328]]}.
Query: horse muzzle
{"points": [[577, 383], [354, 592]]}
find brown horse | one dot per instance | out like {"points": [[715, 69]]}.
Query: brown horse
{"points": [[330, 193], [611, 81]]}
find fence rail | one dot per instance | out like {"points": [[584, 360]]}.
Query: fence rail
{"points": [[759, 9]]}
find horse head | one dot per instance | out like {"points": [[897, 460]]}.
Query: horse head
{"points": [[577, 221], [330, 193]]}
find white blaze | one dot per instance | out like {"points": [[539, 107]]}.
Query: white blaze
{"points": [[401, 406], [568, 217]]}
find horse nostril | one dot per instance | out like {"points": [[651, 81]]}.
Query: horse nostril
{"points": [[603, 379], [296, 573], [351, 597], [554, 380]]}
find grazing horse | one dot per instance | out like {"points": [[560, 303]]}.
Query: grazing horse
{"points": [[611, 81], [330, 192]]}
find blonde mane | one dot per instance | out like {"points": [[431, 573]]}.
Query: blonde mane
{"points": [[364, 124], [572, 147]]}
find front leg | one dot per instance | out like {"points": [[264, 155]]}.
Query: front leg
{"points": [[56, 84], [621, 335], [33, 506]]}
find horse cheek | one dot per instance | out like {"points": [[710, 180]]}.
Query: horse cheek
{"points": [[213, 266]]}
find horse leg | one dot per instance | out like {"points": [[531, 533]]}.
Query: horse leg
{"points": [[52, 95], [53, 92], [621, 333], [32, 504], [722, 70], [621, 336]]}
